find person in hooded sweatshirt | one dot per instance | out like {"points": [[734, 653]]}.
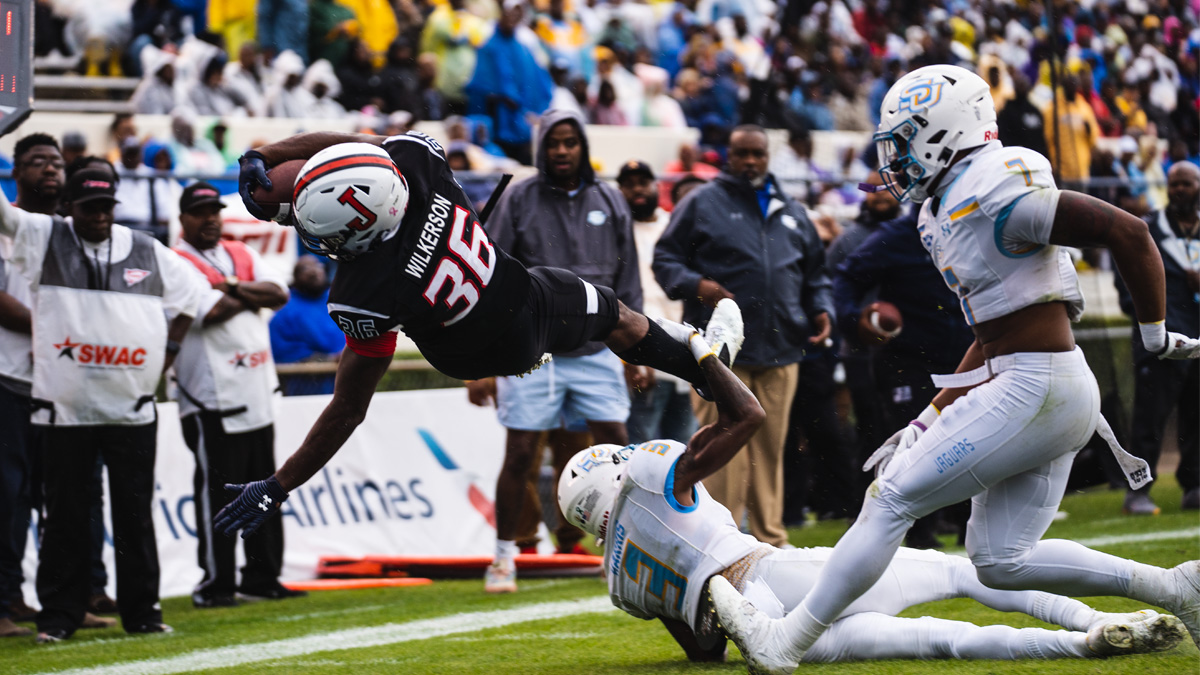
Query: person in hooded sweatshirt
{"points": [[561, 217]]}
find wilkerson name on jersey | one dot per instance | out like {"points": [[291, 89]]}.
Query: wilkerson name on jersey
{"points": [[438, 279]]}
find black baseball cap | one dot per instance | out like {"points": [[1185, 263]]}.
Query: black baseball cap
{"points": [[634, 167], [89, 185], [199, 194]]}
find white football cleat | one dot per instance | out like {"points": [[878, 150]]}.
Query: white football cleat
{"points": [[1158, 634], [725, 331], [756, 635], [1117, 617], [501, 577], [1186, 603]]}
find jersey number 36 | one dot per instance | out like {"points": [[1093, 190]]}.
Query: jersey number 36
{"points": [[466, 270]]}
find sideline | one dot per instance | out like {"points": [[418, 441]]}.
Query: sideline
{"points": [[355, 638]]}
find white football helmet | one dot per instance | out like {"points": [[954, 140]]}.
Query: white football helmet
{"points": [[926, 118], [589, 485], [348, 198]]}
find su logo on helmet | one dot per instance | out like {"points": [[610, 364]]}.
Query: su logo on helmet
{"points": [[921, 96]]}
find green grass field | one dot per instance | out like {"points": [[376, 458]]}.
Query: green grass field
{"points": [[561, 626]]}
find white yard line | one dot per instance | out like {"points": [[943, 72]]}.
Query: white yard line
{"points": [[394, 633], [1186, 533], [354, 638]]}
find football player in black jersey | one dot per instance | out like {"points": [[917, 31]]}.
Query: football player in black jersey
{"points": [[416, 259]]}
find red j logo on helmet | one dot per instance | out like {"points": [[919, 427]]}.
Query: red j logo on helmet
{"points": [[368, 216]]}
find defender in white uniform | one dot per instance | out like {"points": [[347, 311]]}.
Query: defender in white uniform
{"points": [[1005, 430], [666, 540]]}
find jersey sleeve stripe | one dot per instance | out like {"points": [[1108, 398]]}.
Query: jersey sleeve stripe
{"points": [[964, 209], [338, 307], [669, 492], [1001, 221]]}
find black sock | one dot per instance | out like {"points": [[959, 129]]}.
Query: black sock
{"points": [[660, 351]]}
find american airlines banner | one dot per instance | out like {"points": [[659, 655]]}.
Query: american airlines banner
{"points": [[417, 478]]}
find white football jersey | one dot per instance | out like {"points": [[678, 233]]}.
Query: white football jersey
{"points": [[659, 553], [993, 265]]}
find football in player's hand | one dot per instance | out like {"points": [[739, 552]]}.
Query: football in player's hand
{"points": [[880, 322], [276, 203]]}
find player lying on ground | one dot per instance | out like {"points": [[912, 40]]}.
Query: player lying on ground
{"points": [[665, 539], [414, 258], [1005, 430]]}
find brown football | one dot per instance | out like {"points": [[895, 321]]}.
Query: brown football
{"points": [[276, 203], [879, 323], [885, 317]]}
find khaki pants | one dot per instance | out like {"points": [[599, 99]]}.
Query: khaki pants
{"points": [[753, 479]]}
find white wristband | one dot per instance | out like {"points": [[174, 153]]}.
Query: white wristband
{"points": [[1154, 336], [700, 348], [927, 417]]}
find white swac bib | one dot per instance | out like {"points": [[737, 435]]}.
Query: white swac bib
{"points": [[966, 238], [658, 553], [227, 368], [100, 335]]}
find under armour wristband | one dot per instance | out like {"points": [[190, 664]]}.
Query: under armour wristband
{"points": [[1154, 336]]}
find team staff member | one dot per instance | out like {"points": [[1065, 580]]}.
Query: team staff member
{"points": [[667, 542], [101, 339], [1162, 386], [38, 170], [662, 406], [740, 237], [417, 261], [562, 217], [226, 378]]}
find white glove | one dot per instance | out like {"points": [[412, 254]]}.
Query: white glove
{"points": [[901, 441], [1166, 345]]}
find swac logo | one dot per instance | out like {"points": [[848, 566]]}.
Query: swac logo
{"points": [[101, 355], [920, 96], [249, 359]]}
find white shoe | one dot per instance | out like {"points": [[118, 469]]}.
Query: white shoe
{"points": [[725, 331], [1186, 603], [501, 577], [1118, 617], [755, 635], [1158, 634]]}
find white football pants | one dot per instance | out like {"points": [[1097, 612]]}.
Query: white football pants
{"points": [[868, 629], [1008, 446]]}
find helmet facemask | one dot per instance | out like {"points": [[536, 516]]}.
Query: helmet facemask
{"points": [[899, 168]]}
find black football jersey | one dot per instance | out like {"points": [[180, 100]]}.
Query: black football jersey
{"points": [[438, 279]]}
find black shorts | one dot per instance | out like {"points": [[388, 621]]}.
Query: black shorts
{"points": [[561, 314]]}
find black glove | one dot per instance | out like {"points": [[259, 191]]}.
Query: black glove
{"points": [[255, 503], [253, 173]]}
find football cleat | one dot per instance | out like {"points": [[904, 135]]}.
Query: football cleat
{"points": [[1186, 603], [724, 333], [501, 577], [1129, 617], [724, 336], [757, 637], [1158, 634]]}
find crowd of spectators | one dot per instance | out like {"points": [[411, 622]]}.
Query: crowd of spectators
{"points": [[1121, 69]]}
